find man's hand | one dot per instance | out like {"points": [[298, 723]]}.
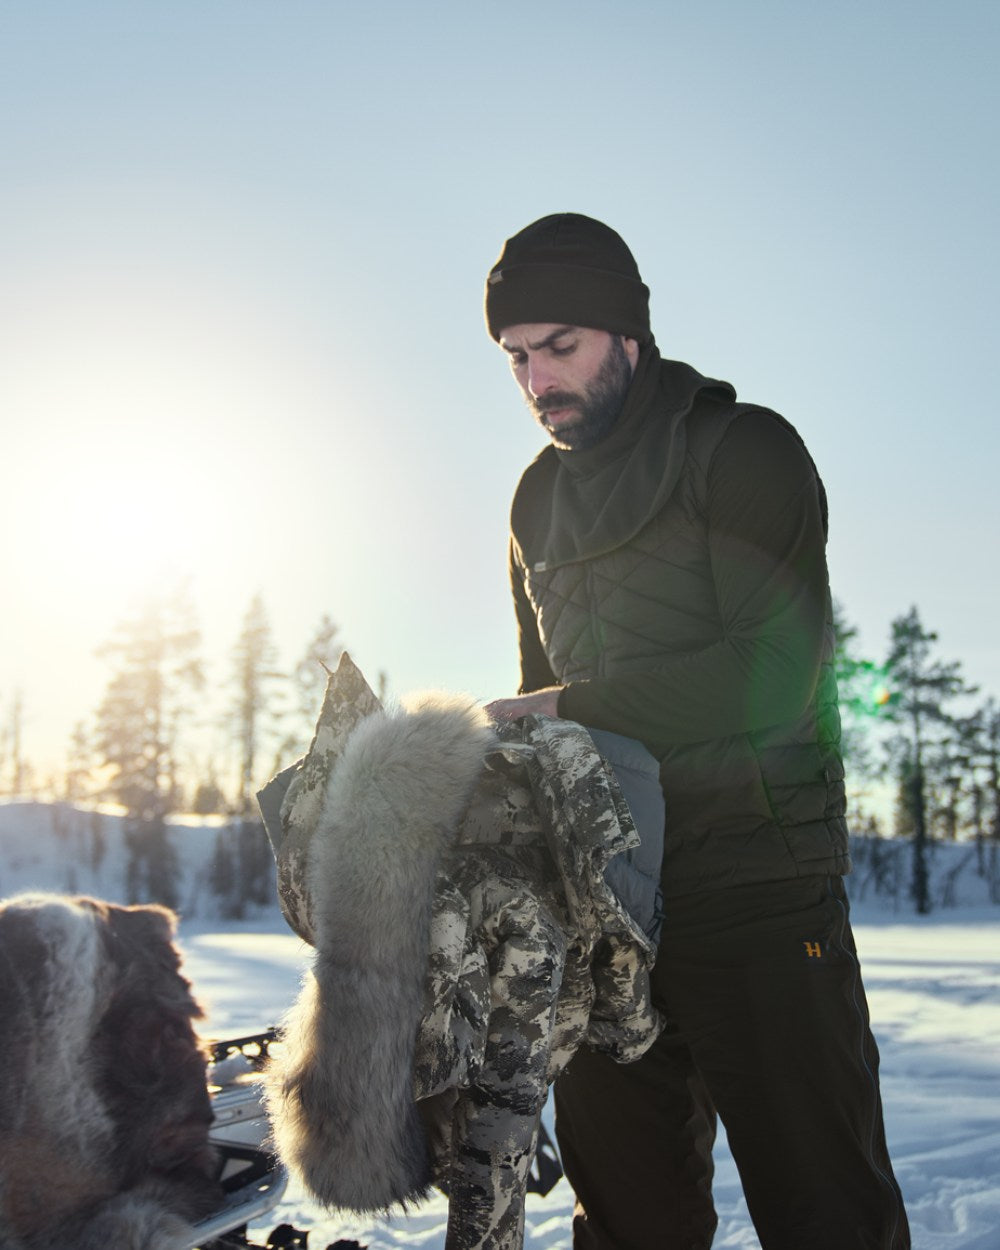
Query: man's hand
{"points": [[540, 703]]}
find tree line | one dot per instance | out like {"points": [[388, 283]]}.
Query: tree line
{"points": [[161, 741], [911, 721], [155, 747], [910, 724]]}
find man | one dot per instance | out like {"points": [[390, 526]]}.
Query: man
{"points": [[669, 578]]}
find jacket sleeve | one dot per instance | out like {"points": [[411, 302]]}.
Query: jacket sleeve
{"points": [[536, 672], [766, 548]]}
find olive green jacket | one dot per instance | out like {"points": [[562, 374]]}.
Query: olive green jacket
{"points": [[674, 580]]}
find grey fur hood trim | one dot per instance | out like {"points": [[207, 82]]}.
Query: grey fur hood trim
{"points": [[342, 1100]]}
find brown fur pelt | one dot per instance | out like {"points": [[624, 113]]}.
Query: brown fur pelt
{"points": [[104, 1105]]}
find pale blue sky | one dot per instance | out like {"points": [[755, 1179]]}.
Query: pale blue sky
{"points": [[242, 249]]}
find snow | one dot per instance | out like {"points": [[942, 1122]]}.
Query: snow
{"points": [[932, 986]]}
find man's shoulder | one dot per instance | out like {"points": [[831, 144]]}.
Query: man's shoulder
{"points": [[762, 433], [758, 444]]}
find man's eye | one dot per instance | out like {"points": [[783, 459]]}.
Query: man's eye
{"points": [[568, 350], [516, 359]]}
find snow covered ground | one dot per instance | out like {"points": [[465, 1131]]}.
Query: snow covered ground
{"points": [[933, 989], [933, 984]]}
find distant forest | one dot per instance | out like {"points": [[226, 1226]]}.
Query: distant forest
{"points": [[909, 722], [163, 739]]}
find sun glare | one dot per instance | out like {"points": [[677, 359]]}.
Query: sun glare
{"points": [[109, 508], [126, 527], [123, 454]]}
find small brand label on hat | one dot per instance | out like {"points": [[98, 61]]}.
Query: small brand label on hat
{"points": [[495, 277]]}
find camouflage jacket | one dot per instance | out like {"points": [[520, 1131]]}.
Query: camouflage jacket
{"points": [[467, 944]]}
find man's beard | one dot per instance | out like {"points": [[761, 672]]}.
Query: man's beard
{"points": [[597, 408]]}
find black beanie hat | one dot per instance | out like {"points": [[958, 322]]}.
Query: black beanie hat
{"points": [[569, 269]]}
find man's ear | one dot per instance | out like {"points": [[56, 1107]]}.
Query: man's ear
{"points": [[631, 350]]}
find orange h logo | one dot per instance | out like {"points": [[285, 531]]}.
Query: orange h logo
{"points": [[813, 950]]}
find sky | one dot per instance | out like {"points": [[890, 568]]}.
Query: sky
{"points": [[242, 253]]}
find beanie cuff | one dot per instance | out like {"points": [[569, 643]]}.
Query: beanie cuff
{"points": [[568, 295]]}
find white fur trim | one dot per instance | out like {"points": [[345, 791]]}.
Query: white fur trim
{"points": [[342, 1092]]}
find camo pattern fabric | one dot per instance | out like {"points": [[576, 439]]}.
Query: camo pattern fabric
{"points": [[532, 955], [348, 700]]}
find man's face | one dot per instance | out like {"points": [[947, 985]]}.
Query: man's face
{"points": [[573, 379]]}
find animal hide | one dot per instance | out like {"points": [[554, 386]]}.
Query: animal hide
{"points": [[343, 1102], [104, 1105]]}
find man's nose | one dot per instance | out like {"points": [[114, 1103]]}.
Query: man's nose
{"points": [[540, 376]]}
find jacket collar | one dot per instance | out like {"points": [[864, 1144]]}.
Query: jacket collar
{"points": [[573, 505]]}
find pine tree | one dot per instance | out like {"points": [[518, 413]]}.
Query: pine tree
{"points": [[208, 797], [309, 681], [862, 697], [98, 842], [983, 735], [11, 754], [257, 883], [79, 760], [156, 672], [920, 687], [255, 711], [242, 872], [991, 741], [991, 753], [955, 764], [222, 873]]}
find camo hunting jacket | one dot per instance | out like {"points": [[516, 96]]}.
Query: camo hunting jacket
{"points": [[527, 954]]}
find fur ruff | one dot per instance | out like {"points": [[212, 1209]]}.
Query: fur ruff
{"points": [[104, 1107], [342, 1091]]}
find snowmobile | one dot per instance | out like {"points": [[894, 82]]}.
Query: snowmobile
{"points": [[253, 1179]]}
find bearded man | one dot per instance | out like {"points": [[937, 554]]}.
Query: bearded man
{"points": [[668, 570]]}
